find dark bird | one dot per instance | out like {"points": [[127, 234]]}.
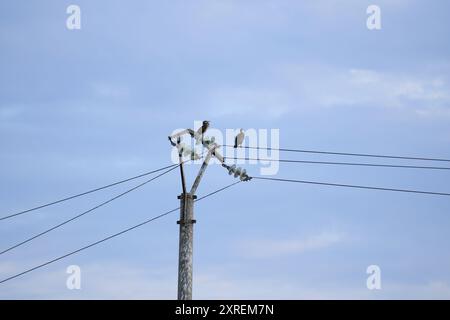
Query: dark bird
{"points": [[202, 129]]}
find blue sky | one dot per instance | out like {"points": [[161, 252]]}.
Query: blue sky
{"points": [[83, 108]]}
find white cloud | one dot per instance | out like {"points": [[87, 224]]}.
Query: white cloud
{"points": [[109, 90], [305, 87], [6, 268], [434, 289], [244, 101], [223, 285], [314, 86], [10, 112], [263, 248], [105, 281], [116, 280]]}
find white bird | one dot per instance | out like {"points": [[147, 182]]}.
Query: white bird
{"points": [[239, 139]]}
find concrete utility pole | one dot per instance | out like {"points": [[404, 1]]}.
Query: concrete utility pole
{"points": [[186, 222], [187, 199], [186, 246]]}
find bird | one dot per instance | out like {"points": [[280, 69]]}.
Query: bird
{"points": [[209, 140], [200, 132], [194, 155], [239, 139], [181, 148]]}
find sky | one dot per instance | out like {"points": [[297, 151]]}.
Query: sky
{"points": [[83, 108]]}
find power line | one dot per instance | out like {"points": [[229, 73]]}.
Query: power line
{"points": [[109, 237], [85, 212], [87, 247], [346, 153], [342, 163], [353, 186], [218, 190], [85, 193]]}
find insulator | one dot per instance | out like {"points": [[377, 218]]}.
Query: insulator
{"points": [[243, 175]]}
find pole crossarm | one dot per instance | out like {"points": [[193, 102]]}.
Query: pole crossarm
{"points": [[211, 146], [201, 172]]}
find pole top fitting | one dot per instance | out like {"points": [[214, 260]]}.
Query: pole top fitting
{"points": [[188, 195], [192, 221]]}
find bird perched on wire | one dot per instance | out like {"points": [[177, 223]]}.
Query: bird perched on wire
{"points": [[239, 139], [201, 131]]}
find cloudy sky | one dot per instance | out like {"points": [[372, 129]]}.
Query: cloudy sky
{"points": [[83, 108]]}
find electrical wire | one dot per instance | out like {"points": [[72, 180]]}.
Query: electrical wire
{"points": [[354, 186], [345, 153], [85, 212], [108, 238], [85, 193], [218, 190], [342, 163]]}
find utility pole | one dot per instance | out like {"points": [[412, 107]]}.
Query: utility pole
{"points": [[187, 200], [186, 246], [186, 222]]}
